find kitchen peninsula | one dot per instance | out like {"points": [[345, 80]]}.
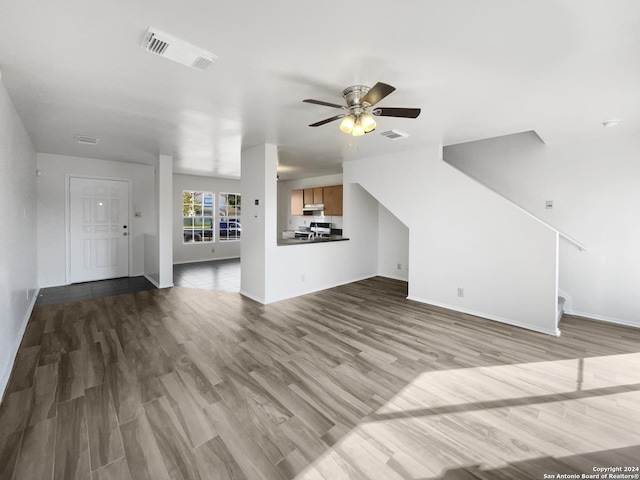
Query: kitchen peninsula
{"points": [[317, 232], [314, 212], [304, 241]]}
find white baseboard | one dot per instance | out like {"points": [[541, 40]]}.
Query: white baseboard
{"points": [[602, 318], [4, 382], [393, 277], [155, 282], [152, 280], [307, 292], [508, 321], [252, 297], [568, 299]]}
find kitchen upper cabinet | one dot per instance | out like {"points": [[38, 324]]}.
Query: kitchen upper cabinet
{"points": [[317, 195], [337, 200], [330, 196], [332, 200], [297, 202], [308, 196]]}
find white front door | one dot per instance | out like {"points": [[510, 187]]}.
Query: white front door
{"points": [[98, 229]]}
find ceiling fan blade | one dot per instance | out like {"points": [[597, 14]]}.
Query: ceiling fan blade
{"points": [[320, 102], [322, 122], [397, 112], [377, 93]]}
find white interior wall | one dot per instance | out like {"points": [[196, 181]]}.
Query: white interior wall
{"points": [[393, 246], [255, 230], [271, 272], [463, 235], [18, 267], [198, 252], [165, 206], [152, 258], [51, 209], [300, 269], [594, 188]]}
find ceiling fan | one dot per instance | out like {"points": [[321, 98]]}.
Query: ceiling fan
{"points": [[360, 108]]}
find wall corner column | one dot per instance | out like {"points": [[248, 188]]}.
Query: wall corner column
{"points": [[165, 221], [259, 218]]}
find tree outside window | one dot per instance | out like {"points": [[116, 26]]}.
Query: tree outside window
{"points": [[197, 217], [229, 208]]}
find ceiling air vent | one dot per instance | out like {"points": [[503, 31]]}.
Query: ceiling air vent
{"points": [[177, 50], [394, 134], [86, 140]]}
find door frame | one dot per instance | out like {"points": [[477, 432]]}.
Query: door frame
{"points": [[67, 220]]}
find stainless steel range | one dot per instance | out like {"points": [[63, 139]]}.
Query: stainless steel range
{"points": [[315, 229], [321, 229]]}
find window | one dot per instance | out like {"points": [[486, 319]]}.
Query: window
{"points": [[229, 206], [197, 217]]}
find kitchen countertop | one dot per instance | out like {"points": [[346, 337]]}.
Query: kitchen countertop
{"points": [[304, 241]]}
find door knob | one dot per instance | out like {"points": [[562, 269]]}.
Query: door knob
{"points": [[125, 234]]}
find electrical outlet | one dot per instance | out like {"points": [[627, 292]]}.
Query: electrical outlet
{"points": [[302, 278], [399, 266], [549, 204], [460, 292], [213, 250]]}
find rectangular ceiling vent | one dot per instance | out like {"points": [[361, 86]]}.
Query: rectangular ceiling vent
{"points": [[86, 140], [177, 50], [394, 134]]}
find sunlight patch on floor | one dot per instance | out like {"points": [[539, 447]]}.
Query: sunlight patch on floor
{"points": [[448, 388], [495, 416]]}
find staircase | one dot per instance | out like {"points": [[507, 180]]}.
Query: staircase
{"points": [[464, 235], [560, 308]]}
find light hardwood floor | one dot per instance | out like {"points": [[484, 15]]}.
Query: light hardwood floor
{"points": [[355, 382]]}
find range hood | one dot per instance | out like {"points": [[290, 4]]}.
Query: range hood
{"points": [[313, 207]]}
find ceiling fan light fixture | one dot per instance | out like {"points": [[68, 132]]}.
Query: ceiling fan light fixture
{"points": [[358, 113], [358, 129], [347, 124], [367, 122]]}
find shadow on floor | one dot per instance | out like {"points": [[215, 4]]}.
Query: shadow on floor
{"points": [[587, 465], [87, 290], [211, 275]]}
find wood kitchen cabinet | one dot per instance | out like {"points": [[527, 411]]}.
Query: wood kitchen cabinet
{"points": [[297, 202], [337, 200], [330, 196], [332, 200], [308, 196], [317, 195]]}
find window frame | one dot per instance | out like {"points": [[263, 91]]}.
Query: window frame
{"points": [[226, 216], [198, 212]]}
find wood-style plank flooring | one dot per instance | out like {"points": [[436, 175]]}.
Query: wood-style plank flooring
{"points": [[355, 382]]}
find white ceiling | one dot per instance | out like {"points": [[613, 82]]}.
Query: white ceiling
{"points": [[477, 69]]}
